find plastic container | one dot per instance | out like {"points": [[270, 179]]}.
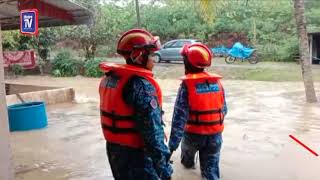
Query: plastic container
{"points": [[27, 116]]}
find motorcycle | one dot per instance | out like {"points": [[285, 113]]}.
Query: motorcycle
{"points": [[241, 53]]}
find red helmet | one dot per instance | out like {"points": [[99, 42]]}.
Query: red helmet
{"points": [[136, 42], [197, 54]]}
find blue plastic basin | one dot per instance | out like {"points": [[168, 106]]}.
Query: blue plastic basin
{"points": [[27, 116]]}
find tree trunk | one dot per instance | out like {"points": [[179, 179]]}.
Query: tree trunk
{"points": [[304, 51], [254, 31], [87, 52], [138, 14], [90, 50], [93, 50]]}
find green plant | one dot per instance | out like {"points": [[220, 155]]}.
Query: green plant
{"points": [[16, 69], [56, 73], [92, 68], [65, 65], [104, 51]]}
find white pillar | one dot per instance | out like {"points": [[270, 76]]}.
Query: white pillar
{"points": [[6, 172]]}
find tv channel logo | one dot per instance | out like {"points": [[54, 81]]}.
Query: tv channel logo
{"points": [[29, 21]]}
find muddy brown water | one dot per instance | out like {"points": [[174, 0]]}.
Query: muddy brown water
{"points": [[256, 138]]}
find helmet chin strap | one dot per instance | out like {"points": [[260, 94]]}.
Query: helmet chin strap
{"points": [[136, 60]]}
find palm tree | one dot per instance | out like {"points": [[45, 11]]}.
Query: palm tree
{"points": [[304, 51], [208, 10]]}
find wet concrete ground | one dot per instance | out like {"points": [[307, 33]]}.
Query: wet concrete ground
{"points": [[256, 138]]}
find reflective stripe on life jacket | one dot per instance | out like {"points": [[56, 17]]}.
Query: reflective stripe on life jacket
{"points": [[206, 100]]}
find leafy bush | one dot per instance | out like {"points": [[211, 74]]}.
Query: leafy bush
{"points": [[92, 68], [56, 73], [16, 69], [269, 25], [65, 65], [282, 51], [104, 51]]}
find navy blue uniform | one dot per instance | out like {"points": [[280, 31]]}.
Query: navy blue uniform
{"points": [[151, 163], [208, 145]]}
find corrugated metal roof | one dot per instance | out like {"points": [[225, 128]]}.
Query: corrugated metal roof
{"points": [[9, 14]]}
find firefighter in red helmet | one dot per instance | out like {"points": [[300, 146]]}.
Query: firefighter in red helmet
{"points": [[199, 112], [131, 111]]}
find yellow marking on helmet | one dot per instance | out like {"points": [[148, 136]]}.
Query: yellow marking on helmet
{"points": [[203, 51], [133, 35]]}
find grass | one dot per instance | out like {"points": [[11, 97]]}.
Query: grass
{"points": [[265, 73]]}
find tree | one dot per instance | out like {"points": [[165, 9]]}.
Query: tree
{"points": [[42, 43], [138, 14], [89, 35], [176, 19], [208, 10], [313, 15], [13, 41], [9, 42], [304, 51], [109, 20]]}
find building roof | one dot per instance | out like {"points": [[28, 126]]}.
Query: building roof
{"points": [[10, 17]]}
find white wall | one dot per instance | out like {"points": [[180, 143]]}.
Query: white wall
{"points": [[6, 172]]}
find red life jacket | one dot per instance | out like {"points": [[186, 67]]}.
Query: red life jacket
{"points": [[205, 103], [118, 118]]}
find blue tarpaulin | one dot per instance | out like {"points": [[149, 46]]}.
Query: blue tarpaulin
{"points": [[239, 51], [221, 50]]}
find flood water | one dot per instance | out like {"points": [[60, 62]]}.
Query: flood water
{"points": [[256, 145]]}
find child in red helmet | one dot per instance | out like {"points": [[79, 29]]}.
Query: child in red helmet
{"points": [[199, 113]]}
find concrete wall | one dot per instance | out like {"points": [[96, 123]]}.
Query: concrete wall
{"points": [[51, 96], [23, 88], [6, 171]]}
